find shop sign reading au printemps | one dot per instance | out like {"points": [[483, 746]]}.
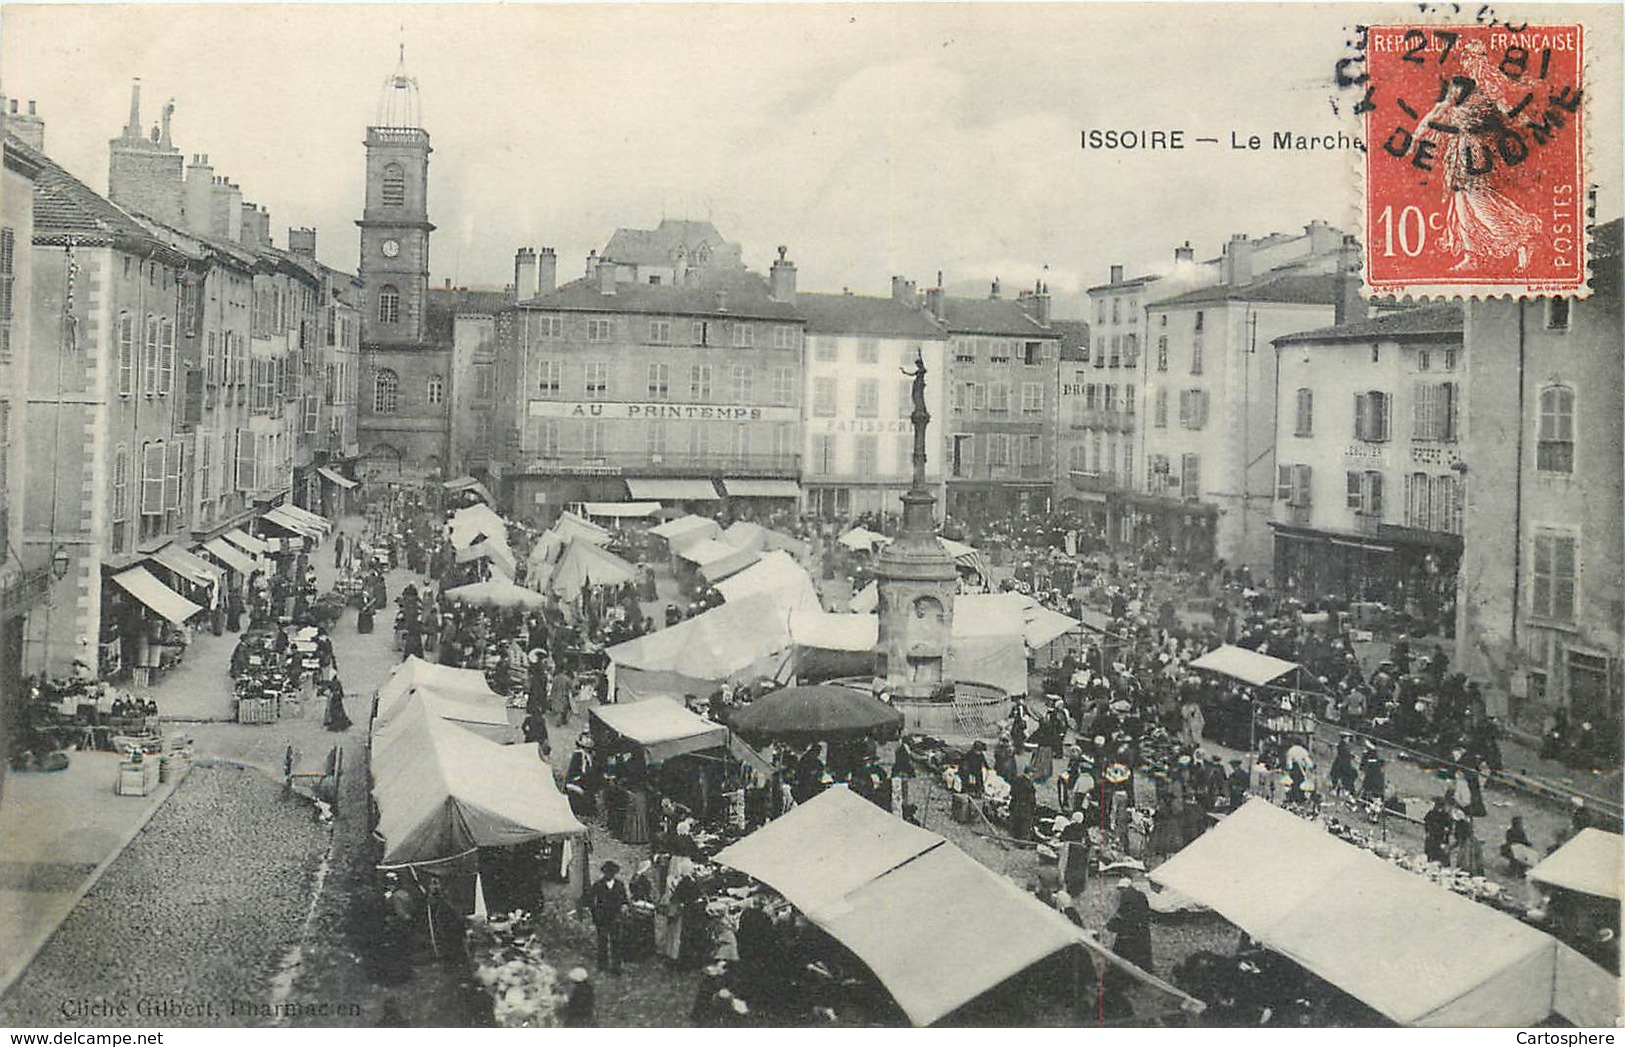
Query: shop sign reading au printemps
{"points": [[658, 411]]}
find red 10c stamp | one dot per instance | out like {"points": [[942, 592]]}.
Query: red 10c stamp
{"points": [[1475, 160]]}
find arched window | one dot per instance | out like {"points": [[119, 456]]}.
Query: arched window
{"points": [[394, 186], [436, 389], [1554, 452], [386, 392], [389, 304]]}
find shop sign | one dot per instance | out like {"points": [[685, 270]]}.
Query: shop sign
{"points": [[628, 411]]}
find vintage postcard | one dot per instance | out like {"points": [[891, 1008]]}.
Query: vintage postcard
{"points": [[812, 516]]}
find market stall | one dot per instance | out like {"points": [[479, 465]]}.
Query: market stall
{"points": [[936, 928], [1411, 950], [468, 485], [493, 721], [685, 530], [618, 510], [778, 575], [474, 523], [1276, 711], [585, 564], [1581, 880], [464, 685], [571, 527], [497, 593], [829, 646], [651, 749], [816, 713], [492, 549], [739, 642]]}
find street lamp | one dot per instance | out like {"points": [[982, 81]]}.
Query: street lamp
{"points": [[59, 563]]}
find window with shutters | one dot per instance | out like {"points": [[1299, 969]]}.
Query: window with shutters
{"points": [[152, 479], [1032, 450], [1116, 359], [1418, 503], [1436, 411], [784, 386], [1128, 462], [1032, 398], [660, 331], [998, 449], [1160, 412], [211, 373], [1424, 360], [1190, 477], [205, 473], [699, 439], [1302, 486], [434, 390], [126, 354], [8, 282], [744, 384], [149, 358], [655, 437], [1283, 483], [1371, 411], [547, 438], [999, 350], [905, 398], [312, 414], [978, 396], [824, 394], [550, 325], [174, 473], [823, 454], [120, 509], [699, 382], [1032, 353], [601, 330], [998, 397], [744, 335], [1554, 449], [868, 399], [551, 379], [865, 454], [868, 351], [1554, 575], [386, 392], [1131, 350], [1365, 492], [1193, 405], [592, 438], [784, 337], [1305, 414], [392, 189], [597, 379], [1162, 351], [659, 381], [826, 350], [389, 304], [1196, 350], [166, 357]]}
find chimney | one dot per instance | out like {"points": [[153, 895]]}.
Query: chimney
{"points": [[302, 242], [592, 264], [1351, 306], [994, 293], [781, 279], [524, 274], [1041, 304], [933, 302], [197, 196], [606, 277], [133, 128], [1117, 275], [547, 271], [226, 210], [899, 288], [169, 111], [1237, 267], [1323, 239], [1184, 255], [256, 227], [26, 126]]}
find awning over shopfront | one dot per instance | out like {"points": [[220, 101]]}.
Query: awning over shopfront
{"points": [[244, 540], [140, 583], [332, 477], [686, 529], [288, 521], [1413, 951], [658, 490], [1589, 864], [762, 488], [316, 520], [230, 555], [187, 564], [1238, 663], [620, 510], [469, 483], [661, 728]]}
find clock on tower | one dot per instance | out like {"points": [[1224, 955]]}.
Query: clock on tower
{"points": [[395, 224]]}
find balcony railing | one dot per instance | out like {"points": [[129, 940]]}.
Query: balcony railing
{"points": [[719, 464], [1107, 421]]}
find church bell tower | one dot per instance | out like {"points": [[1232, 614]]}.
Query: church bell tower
{"points": [[916, 580], [395, 224]]}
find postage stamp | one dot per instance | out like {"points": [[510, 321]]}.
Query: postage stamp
{"points": [[1475, 166]]}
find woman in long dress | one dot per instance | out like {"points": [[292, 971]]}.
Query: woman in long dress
{"points": [[336, 719]]}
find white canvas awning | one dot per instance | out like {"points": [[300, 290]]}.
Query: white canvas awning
{"points": [[230, 555], [469, 524], [1589, 864], [313, 519], [661, 728], [1413, 951], [660, 490], [861, 538], [620, 510], [852, 633], [332, 477], [243, 540], [139, 583], [937, 928], [464, 685], [762, 488], [778, 575], [686, 529], [285, 519], [1238, 663], [188, 565]]}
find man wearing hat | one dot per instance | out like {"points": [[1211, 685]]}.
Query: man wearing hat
{"points": [[607, 900]]}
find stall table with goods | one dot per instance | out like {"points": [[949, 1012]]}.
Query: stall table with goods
{"points": [[651, 749]]}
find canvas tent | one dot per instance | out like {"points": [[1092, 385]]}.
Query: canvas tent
{"points": [[494, 549], [988, 644], [778, 575], [1411, 950], [1587, 864], [570, 527], [496, 593], [686, 529], [936, 928], [829, 646], [861, 539], [464, 685], [584, 564], [443, 791], [489, 720], [469, 483], [471, 523], [1239, 663], [741, 641], [660, 727]]}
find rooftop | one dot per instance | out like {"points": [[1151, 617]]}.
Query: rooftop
{"points": [[696, 241], [715, 292], [65, 207], [991, 316], [444, 305], [1074, 338], [1424, 323], [864, 315], [1319, 289]]}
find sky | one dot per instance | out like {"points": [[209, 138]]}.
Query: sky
{"points": [[871, 140]]}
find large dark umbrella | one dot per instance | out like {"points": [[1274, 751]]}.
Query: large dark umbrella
{"points": [[818, 713]]}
